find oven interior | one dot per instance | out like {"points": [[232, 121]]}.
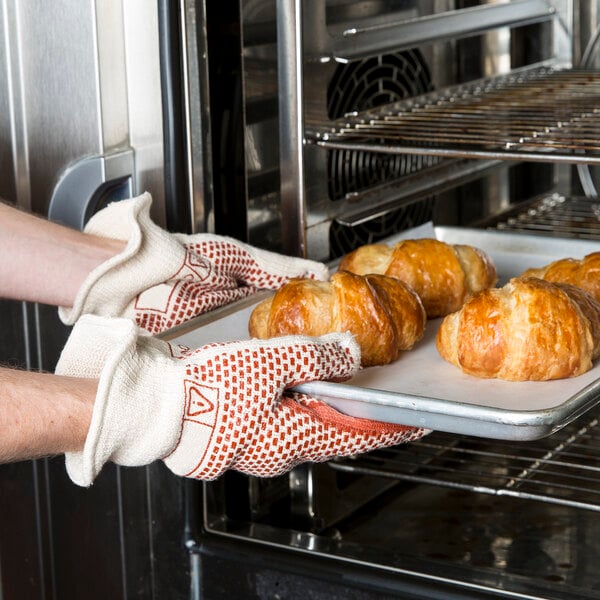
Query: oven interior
{"points": [[291, 99], [478, 114]]}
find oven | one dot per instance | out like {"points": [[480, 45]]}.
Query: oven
{"points": [[311, 127], [390, 115]]}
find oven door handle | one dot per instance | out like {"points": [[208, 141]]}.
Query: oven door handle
{"points": [[89, 184]]}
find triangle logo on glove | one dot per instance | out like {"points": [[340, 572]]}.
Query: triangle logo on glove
{"points": [[200, 399], [195, 267]]}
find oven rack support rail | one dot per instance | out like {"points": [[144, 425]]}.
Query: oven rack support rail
{"points": [[359, 41], [543, 114]]}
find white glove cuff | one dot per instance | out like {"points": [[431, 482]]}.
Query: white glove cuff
{"points": [[137, 416], [288, 266], [152, 256], [269, 262]]}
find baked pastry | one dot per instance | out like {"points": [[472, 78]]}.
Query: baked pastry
{"points": [[443, 275], [385, 315], [530, 329], [584, 273]]}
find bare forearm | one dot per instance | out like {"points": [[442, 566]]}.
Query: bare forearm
{"points": [[44, 261], [43, 414]]}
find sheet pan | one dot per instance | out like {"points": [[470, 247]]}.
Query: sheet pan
{"points": [[420, 388]]}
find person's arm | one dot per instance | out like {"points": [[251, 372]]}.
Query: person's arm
{"points": [[216, 408], [42, 414], [46, 262], [163, 279]]}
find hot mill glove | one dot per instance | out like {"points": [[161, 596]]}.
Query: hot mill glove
{"points": [[163, 279], [222, 406]]}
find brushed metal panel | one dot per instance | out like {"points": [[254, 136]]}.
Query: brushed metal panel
{"points": [[11, 116], [140, 23], [112, 76], [83, 81], [59, 78]]}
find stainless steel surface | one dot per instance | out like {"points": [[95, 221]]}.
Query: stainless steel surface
{"points": [[197, 113], [83, 80], [520, 519], [76, 123], [14, 157], [89, 184], [413, 186], [291, 125], [444, 413], [357, 42], [542, 115], [585, 22], [144, 105]]}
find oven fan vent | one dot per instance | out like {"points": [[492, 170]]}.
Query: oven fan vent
{"points": [[344, 239], [362, 85]]}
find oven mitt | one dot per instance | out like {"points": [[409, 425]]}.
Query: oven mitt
{"points": [[162, 279], [219, 407]]}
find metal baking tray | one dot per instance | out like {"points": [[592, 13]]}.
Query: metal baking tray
{"points": [[420, 388]]}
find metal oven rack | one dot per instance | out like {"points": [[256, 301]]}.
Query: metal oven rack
{"points": [[562, 469], [542, 114], [555, 215], [305, 36]]}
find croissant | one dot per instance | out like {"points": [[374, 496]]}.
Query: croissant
{"points": [[443, 275], [584, 273], [385, 315], [530, 329]]}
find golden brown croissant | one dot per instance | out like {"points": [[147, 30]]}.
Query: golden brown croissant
{"points": [[528, 330], [443, 275], [384, 314], [584, 273]]}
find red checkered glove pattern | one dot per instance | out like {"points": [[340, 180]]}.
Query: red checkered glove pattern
{"points": [[161, 279], [219, 407]]}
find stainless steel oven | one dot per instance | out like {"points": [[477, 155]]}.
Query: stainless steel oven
{"points": [[387, 115], [311, 127]]}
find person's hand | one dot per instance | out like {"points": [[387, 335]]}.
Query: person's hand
{"points": [[161, 280], [222, 406]]}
